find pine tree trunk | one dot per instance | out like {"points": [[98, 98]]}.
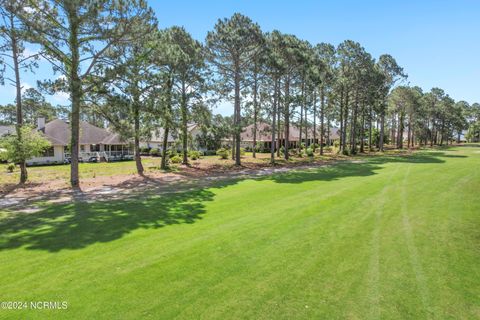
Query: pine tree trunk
{"points": [[274, 116], [322, 114], [233, 147], [400, 131], [237, 118], [255, 114], [184, 125], [393, 140], [442, 132], [18, 87], [345, 121], [166, 130], [432, 134], [340, 136], [279, 142], [362, 132], [76, 93], [168, 115], [302, 106], [329, 142], [307, 142], [382, 130], [370, 131], [314, 119], [287, 117], [353, 133], [409, 133], [138, 160]]}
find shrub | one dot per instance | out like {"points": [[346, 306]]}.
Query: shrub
{"points": [[223, 153], [145, 150], [154, 152], [172, 153], [194, 155], [176, 159], [209, 152], [309, 152], [282, 150], [242, 151], [10, 167]]}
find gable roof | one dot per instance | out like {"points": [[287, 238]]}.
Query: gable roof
{"points": [[58, 133], [264, 133], [4, 130], [158, 133]]}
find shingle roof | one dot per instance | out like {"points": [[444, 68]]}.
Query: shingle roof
{"points": [[157, 134], [113, 138], [58, 133], [6, 130], [264, 133]]}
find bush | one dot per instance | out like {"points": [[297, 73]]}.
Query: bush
{"points": [[176, 159], [242, 151], [10, 167], [209, 152], [223, 153], [282, 150], [194, 155], [154, 152], [145, 150], [309, 152], [172, 153]]}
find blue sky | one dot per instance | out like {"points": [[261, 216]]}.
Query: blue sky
{"points": [[437, 42]]}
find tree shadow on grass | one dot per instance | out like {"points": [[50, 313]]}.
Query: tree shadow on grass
{"points": [[79, 224], [355, 168], [82, 223]]}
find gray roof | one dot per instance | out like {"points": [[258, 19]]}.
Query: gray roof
{"points": [[58, 132], [4, 130], [264, 132]]}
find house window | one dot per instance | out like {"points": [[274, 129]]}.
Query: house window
{"points": [[49, 152], [82, 148], [94, 147]]}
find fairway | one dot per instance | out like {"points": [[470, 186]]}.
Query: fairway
{"points": [[382, 238]]}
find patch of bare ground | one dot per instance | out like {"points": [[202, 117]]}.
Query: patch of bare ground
{"points": [[182, 177]]}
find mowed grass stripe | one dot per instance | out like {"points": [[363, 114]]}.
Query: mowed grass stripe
{"points": [[353, 240]]}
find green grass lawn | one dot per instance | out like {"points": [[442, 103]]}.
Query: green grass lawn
{"points": [[38, 174], [61, 172], [389, 238]]}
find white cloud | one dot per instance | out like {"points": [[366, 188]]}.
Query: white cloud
{"points": [[25, 86], [61, 98]]}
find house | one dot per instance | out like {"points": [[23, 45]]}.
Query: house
{"points": [[6, 130], [95, 143], [157, 135], [264, 136], [156, 139]]}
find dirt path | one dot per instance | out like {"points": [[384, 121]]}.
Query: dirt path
{"points": [[26, 199]]}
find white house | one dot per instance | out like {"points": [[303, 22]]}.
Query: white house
{"points": [[156, 138], [95, 143]]}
